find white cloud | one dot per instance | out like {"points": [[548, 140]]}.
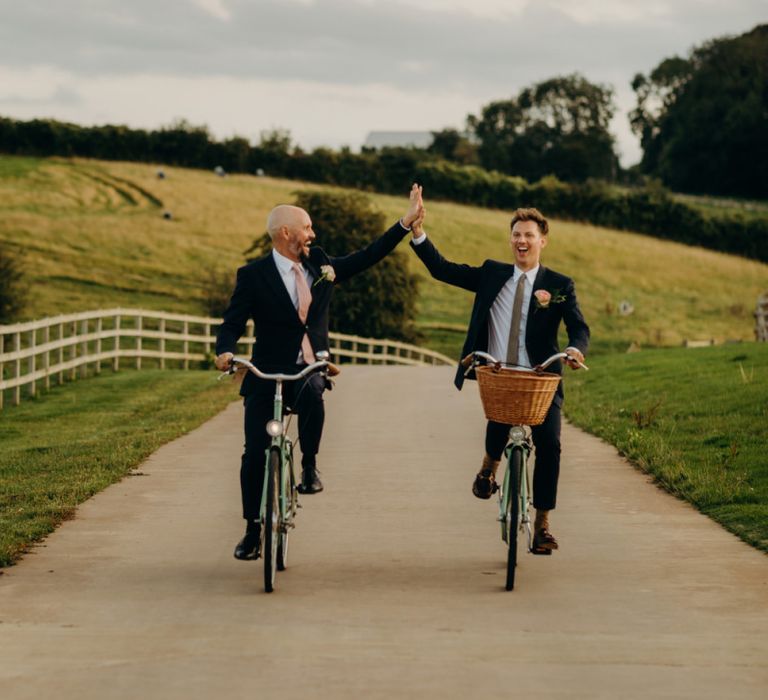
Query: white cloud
{"points": [[215, 8], [486, 9], [588, 12]]}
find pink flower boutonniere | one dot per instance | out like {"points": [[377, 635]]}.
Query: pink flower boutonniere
{"points": [[544, 298]]}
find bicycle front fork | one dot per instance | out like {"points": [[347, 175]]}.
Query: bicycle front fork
{"points": [[522, 491]]}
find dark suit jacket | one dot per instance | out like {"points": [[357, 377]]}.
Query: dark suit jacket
{"points": [[260, 294], [486, 281]]}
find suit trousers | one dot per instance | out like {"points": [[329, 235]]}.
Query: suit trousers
{"points": [[305, 398], [546, 471]]}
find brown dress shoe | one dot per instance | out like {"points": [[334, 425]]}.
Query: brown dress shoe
{"points": [[543, 542]]}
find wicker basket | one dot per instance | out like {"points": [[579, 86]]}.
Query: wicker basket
{"points": [[515, 397]]}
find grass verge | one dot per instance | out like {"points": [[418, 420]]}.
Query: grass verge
{"points": [[697, 420], [59, 450]]}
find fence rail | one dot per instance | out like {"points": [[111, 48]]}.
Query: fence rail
{"points": [[761, 318], [36, 353]]}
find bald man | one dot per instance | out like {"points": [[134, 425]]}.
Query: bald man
{"points": [[268, 291]]}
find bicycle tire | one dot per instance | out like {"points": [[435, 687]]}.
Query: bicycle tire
{"points": [[512, 516], [272, 520], [289, 490]]}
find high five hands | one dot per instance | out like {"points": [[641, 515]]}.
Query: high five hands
{"points": [[417, 227], [415, 207]]}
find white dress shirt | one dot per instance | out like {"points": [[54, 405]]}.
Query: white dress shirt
{"points": [[501, 314], [500, 317], [285, 268]]}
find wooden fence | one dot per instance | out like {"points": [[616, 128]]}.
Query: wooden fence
{"points": [[761, 318], [36, 354]]}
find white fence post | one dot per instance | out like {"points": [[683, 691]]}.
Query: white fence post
{"points": [[162, 343], [116, 359], [99, 330], [761, 319], [139, 348], [17, 368], [31, 361]]}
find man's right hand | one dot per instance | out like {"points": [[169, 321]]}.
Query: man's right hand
{"points": [[224, 361], [415, 206]]}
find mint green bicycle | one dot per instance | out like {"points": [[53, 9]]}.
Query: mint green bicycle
{"points": [[279, 498], [519, 397]]}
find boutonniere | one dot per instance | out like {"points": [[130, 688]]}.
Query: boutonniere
{"points": [[327, 273], [544, 298]]}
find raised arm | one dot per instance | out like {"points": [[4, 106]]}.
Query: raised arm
{"points": [[458, 274], [348, 265]]}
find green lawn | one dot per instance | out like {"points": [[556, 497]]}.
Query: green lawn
{"points": [[58, 450], [697, 420], [93, 236]]}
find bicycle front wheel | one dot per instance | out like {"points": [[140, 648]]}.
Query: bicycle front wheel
{"points": [[272, 520], [288, 515], [512, 515]]}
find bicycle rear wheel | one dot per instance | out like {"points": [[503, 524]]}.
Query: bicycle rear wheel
{"points": [[512, 515], [291, 504], [272, 520]]}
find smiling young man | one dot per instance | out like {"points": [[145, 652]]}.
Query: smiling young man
{"points": [[287, 294], [515, 318]]}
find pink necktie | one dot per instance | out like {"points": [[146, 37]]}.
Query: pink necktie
{"points": [[305, 299]]}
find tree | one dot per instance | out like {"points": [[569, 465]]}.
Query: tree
{"points": [[451, 145], [703, 121], [13, 287], [378, 303], [556, 127]]}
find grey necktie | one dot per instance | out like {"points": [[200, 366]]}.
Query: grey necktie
{"points": [[513, 346]]}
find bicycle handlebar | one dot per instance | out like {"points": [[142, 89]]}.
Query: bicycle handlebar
{"points": [[333, 370], [473, 357]]}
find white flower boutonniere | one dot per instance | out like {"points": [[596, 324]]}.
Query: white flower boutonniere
{"points": [[327, 274], [545, 298]]}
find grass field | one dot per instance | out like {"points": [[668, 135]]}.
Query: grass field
{"points": [[59, 450], [93, 236], [695, 419]]}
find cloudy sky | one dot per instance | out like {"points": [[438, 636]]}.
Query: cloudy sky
{"points": [[330, 71]]}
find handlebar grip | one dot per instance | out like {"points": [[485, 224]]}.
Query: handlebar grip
{"points": [[467, 361], [333, 370]]}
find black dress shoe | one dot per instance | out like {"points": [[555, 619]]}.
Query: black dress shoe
{"points": [[310, 481], [485, 484], [249, 546]]}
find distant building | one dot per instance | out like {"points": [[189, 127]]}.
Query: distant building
{"points": [[403, 139]]}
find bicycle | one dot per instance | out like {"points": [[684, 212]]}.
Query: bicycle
{"points": [[279, 497], [520, 406]]}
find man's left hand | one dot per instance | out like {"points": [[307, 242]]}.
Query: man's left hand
{"points": [[414, 208], [577, 356]]}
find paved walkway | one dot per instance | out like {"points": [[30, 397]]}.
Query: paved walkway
{"points": [[395, 584]]}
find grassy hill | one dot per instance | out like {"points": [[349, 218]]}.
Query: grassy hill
{"points": [[93, 235]]}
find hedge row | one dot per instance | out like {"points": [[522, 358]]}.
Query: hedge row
{"points": [[651, 211]]}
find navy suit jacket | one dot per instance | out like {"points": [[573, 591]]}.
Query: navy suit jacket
{"points": [[486, 282], [260, 294]]}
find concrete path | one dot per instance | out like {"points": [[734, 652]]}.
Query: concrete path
{"points": [[395, 583]]}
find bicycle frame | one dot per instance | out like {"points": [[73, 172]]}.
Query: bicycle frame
{"points": [[283, 443], [521, 441]]}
